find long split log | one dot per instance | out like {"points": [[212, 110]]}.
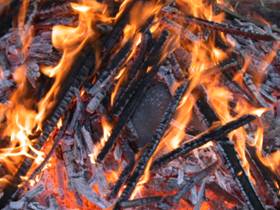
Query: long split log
{"points": [[212, 134]]}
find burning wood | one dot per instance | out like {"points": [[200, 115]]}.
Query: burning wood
{"points": [[106, 101]]}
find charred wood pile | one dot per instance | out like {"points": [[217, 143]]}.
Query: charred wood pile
{"points": [[139, 104]]}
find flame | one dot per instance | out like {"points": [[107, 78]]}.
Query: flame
{"points": [[22, 14], [200, 9], [107, 128], [22, 119], [120, 79], [24, 116], [266, 61], [272, 160]]}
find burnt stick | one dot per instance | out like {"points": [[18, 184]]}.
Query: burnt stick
{"points": [[226, 147], [152, 146], [105, 81], [150, 59], [8, 15], [129, 109], [56, 142], [232, 15], [142, 202], [80, 70], [129, 154], [113, 66], [212, 134], [221, 27], [226, 28], [133, 68], [115, 35], [173, 198], [270, 178]]}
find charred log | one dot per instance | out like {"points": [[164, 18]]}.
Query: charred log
{"points": [[212, 134]]}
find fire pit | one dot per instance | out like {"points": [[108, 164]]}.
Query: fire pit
{"points": [[139, 104]]}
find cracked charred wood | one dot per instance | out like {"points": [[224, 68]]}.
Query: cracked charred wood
{"points": [[56, 142], [7, 16], [133, 103], [226, 147], [80, 70], [212, 134], [194, 180], [173, 198], [141, 202], [133, 68], [271, 179], [129, 154], [152, 146], [222, 27], [105, 81], [115, 35], [151, 58], [248, 81], [233, 14]]}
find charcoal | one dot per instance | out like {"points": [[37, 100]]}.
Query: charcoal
{"points": [[150, 111]]}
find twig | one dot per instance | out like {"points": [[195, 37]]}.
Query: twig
{"points": [[222, 27]]}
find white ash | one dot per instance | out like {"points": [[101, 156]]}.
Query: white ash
{"points": [[27, 198], [88, 139]]}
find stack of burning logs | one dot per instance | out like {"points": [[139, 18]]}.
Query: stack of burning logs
{"points": [[111, 135]]}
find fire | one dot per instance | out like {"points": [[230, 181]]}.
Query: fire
{"points": [[200, 9], [270, 160], [107, 127], [24, 116], [22, 120]]}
